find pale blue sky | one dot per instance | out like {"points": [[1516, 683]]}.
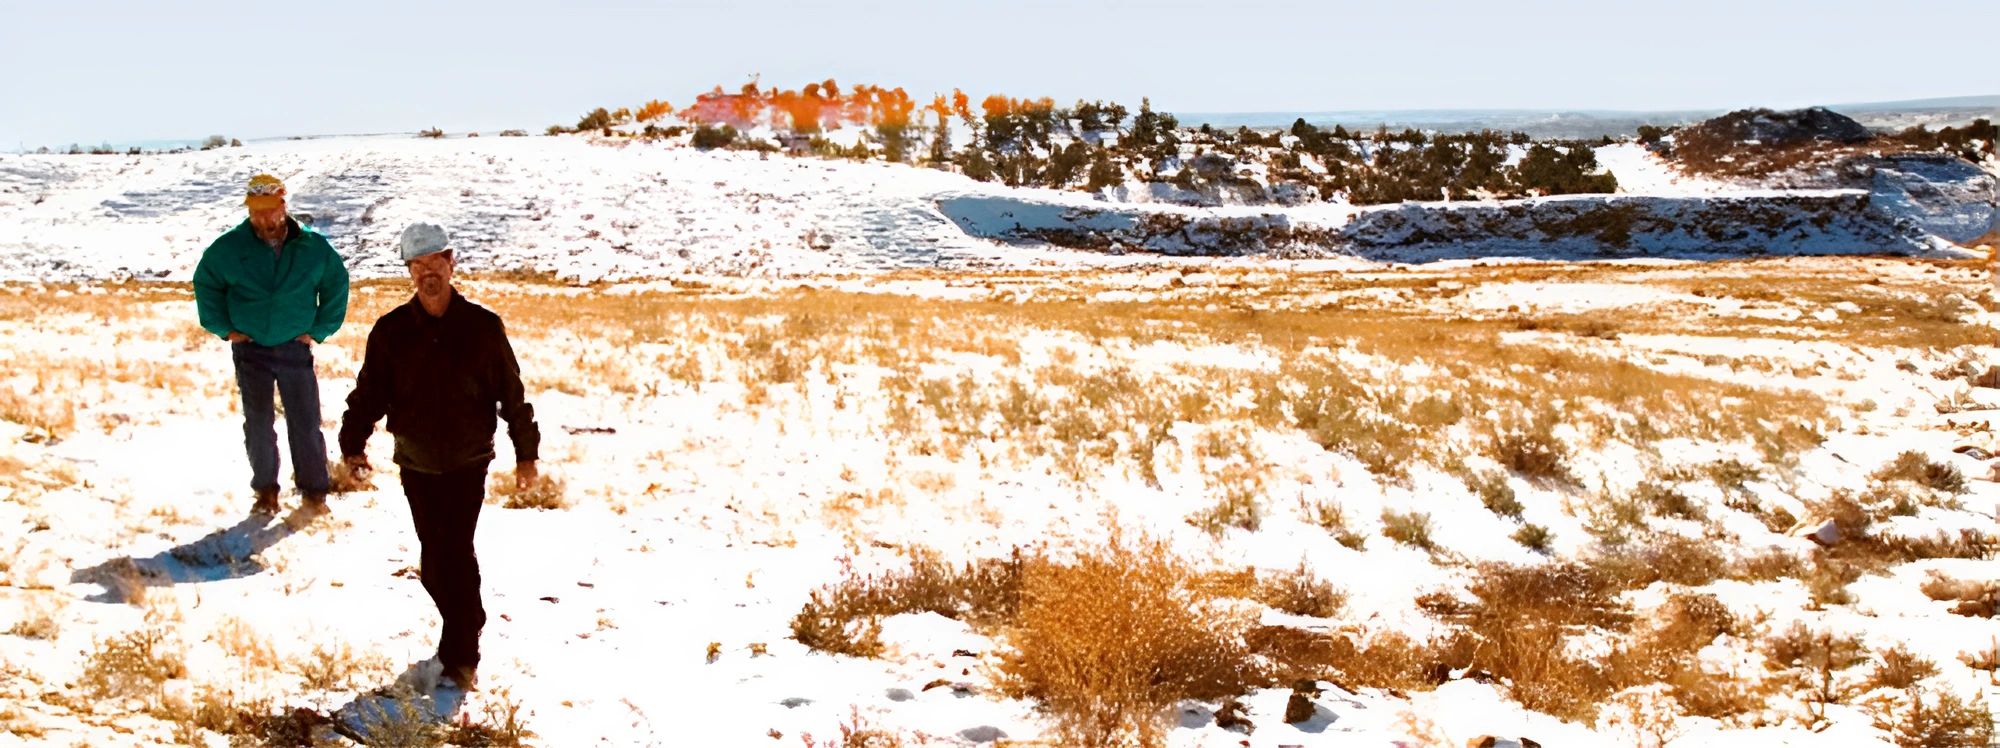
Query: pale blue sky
{"points": [[89, 71]]}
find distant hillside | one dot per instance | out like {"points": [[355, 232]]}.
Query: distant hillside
{"points": [[1540, 124], [1591, 124]]}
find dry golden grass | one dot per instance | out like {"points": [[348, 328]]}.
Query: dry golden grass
{"points": [[337, 667], [41, 618], [1085, 417], [1237, 489], [242, 642], [1494, 493], [846, 618], [1412, 377], [1812, 664], [1920, 469], [548, 492], [1941, 719], [1972, 598], [1986, 660], [54, 416], [134, 666], [1408, 528], [1090, 418], [1301, 592], [1327, 515], [1107, 642], [1104, 638], [1520, 618]]}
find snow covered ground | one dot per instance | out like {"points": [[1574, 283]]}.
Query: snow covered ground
{"points": [[729, 445], [763, 377]]}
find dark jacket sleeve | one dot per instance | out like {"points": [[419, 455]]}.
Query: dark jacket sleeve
{"points": [[369, 401], [513, 397]]}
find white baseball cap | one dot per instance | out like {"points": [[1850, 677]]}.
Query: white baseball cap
{"points": [[424, 238]]}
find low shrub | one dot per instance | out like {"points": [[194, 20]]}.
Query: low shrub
{"points": [[1916, 468], [709, 138], [1970, 598], [39, 619], [1898, 668], [337, 667], [1535, 538], [1938, 720], [1327, 515], [845, 618], [134, 666], [1388, 659], [1494, 493], [1301, 593], [1665, 558], [1767, 565], [1408, 528], [1667, 501], [1106, 643], [1536, 455], [595, 119], [1236, 490], [1811, 663], [1521, 618]]}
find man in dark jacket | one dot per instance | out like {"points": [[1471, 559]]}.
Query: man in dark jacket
{"points": [[273, 288], [440, 368]]}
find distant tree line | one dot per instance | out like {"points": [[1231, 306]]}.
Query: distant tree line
{"points": [[1098, 145]]}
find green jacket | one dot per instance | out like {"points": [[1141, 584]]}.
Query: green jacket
{"points": [[241, 285]]}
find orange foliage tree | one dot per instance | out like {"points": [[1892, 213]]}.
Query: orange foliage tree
{"points": [[653, 110], [826, 106]]}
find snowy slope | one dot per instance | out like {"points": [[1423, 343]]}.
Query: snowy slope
{"points": [[549, 204], [629, 210]]}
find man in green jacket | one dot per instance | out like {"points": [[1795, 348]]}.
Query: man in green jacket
{"points": [[273, 288]]}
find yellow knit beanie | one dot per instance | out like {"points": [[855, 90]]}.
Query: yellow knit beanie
{"points": [[265, 192]]}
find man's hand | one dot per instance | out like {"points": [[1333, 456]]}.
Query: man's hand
{"points": [[525, 475], [357, 464], [306, 339], [237, 337]]}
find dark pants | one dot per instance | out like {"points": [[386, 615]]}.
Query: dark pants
{"points": [[288, 368], [446, 510]]}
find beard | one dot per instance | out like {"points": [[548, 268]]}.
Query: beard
{"points": [[269, 231], [432, 285]]}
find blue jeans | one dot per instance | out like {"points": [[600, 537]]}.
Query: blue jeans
{"points": [[288, 368]]}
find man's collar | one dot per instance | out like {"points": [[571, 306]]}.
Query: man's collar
{"points": [[449, 308], [292, 229]]}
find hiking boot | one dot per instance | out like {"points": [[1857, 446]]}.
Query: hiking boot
{"points": [[465, 677], [314, 501], [267, 501]]}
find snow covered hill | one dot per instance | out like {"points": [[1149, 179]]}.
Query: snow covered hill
{"points": [[550, 204], [632, 210]]}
